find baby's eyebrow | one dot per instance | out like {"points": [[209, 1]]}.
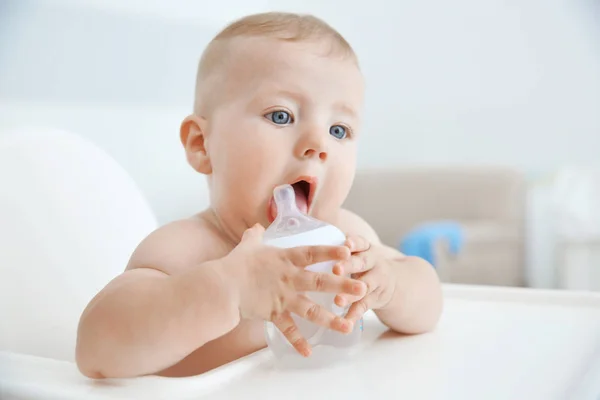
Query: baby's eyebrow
{"points": [[288, 94], [346, 109]]}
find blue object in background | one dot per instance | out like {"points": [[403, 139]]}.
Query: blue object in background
{"points": [[420, 241]]}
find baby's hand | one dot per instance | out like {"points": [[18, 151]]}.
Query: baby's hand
{"points": [[270, 282], [366, 265]]}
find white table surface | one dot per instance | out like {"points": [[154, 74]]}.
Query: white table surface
{"points": [[491, 343]]}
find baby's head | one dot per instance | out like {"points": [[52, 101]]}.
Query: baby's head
{"points": [[278, 100]]}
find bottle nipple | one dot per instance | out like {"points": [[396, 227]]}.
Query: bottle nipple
{"points": [[289, 220], [285, 200], [293, 222]]}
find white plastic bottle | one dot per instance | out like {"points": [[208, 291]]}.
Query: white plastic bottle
{"points": [[291, 228]]}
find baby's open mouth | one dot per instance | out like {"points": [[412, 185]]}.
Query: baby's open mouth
{"points": [[304, 190]]}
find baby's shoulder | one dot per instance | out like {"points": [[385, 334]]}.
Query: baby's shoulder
{"points": [[179, 245], [353, 224]]}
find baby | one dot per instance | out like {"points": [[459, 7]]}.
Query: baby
{"points": [[278, 100]]}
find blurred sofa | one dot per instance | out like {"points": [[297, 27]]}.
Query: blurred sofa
{"points": [[488, 202]]}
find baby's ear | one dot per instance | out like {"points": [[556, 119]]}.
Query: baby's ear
{"points": [[193, 138]]}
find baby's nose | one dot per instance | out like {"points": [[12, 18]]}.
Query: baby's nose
{"points": [[314, 152], [312, 144]]}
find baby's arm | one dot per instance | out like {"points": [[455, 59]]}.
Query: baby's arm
{"points": [[170, 301], [416, 303]]}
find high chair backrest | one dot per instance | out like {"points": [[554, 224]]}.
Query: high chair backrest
{"points": [[70, 217]]}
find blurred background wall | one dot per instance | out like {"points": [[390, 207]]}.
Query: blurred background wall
{"points": [[467, 82], [514, 84]]}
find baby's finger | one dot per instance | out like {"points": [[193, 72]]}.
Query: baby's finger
{"points": [[358, 309], [253, 234], [369, 278], [288, 327], [304, 256], [309, 281], [357, 243], [343, 300], [307, 309], [357, 263]]}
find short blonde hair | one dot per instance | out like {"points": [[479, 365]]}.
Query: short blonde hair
{"points": [[289, 27]]}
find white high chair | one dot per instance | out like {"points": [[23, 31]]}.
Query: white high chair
{"points": [[70, 216]]}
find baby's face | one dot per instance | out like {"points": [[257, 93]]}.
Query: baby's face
{"points": [[291, 113]]}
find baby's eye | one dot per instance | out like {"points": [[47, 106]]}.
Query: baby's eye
{"points": [[279, 117], [338, 131]]}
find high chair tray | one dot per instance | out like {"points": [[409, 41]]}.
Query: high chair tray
{"points": [[491, 343]]}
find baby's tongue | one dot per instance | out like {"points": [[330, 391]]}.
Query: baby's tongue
{"points": [[301, 203], [301, 200]]}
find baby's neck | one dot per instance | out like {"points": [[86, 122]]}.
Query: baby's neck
{"points": [[227, 235]]}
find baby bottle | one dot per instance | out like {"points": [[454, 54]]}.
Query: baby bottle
{"points": [[291, 228]]}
